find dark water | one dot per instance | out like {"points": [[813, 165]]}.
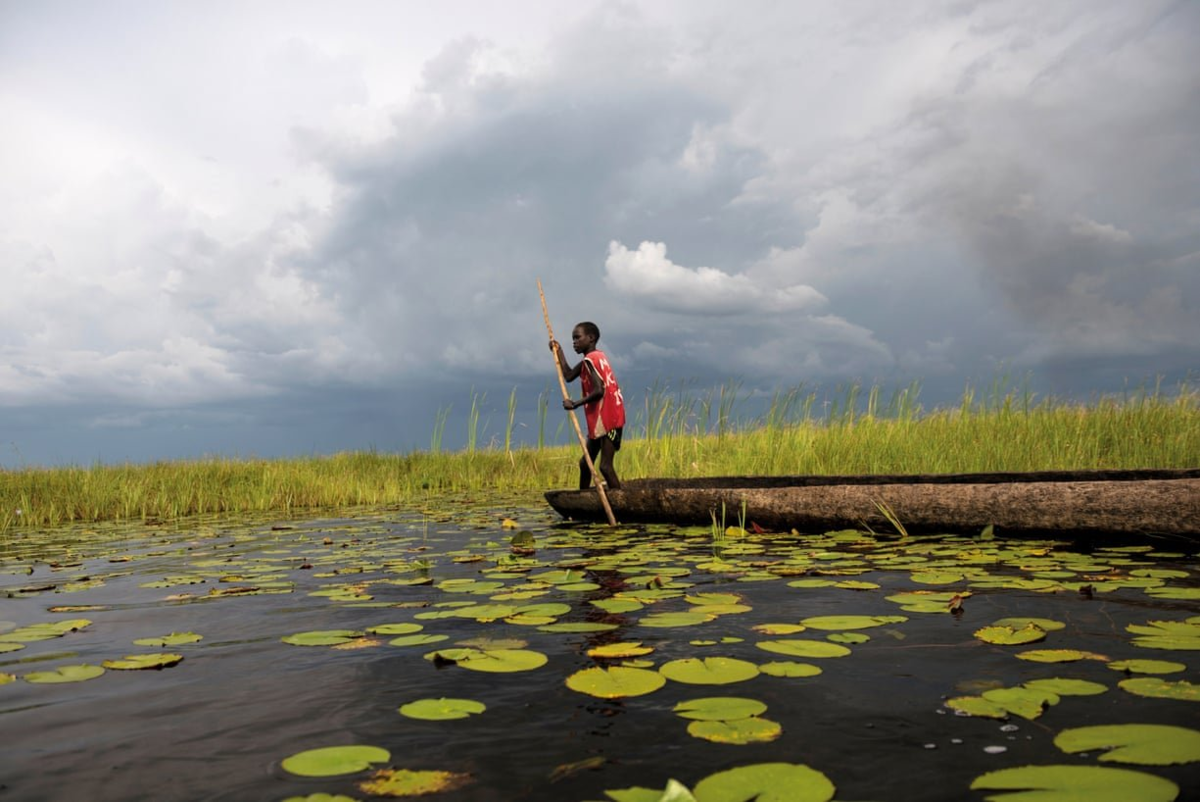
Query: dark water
{"points": [[217, 725]]}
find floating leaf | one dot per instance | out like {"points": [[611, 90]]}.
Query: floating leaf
{"points": [[1147, 666], [1143, 744], [674, 792], [1059, 655], [503, 661], [848, 637], [766, 782], [801, 647], [788, 668], [719, 708], [709, 670], [617, 605], [1066, 783], [977, 706], [330, 761], [77, 673], [713, 598], [442, 709], [137, 662], [1161, 689], [174, 639], [666, 620], [577, 626], [405, 628], [402, 782], [1008, 636], [1044, 624], [322, 637], [7, 678], [1028, 703], [616, 682], [422, 639], [1180, 635], [622, 649], [842, 622], [738, 731], [1067, 687], [779, 629]]}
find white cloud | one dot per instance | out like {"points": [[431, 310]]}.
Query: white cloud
{"points": [[648, 275]]}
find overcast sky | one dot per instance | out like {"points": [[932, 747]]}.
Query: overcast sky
{"points": [[287, 227]]}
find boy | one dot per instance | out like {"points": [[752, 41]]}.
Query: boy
{"points": [[603, 406]]}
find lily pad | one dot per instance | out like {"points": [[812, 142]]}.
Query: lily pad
{"points": [[503, 661], [622, 649], [1143, 744], [1059, 655], [616, 682], [1004, 635], [977, 706], [738, 731], [322, 637], [1044, 624], [405, 628], [420, 639], [1159, 688], [802, 647], [789, 668], [443, 709], [709, 670], [174, 639], [1027, 703], [403, 782], [77, 673], [842, 622], [1147, 666], [719, 708], [1067, 687], [766, 782], [331, 761], [138, 662], [1068, 783], [668, 620]]}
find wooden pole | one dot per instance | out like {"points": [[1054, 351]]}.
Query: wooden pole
{"points": [[562, 383]]}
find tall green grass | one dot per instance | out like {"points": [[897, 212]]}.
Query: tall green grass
{"points": [[674, 433]]}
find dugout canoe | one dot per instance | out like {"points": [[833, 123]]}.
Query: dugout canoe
{"points": [[1050, 503]]}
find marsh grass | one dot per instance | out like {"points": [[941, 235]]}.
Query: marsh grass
{"points": [[675, 434]]}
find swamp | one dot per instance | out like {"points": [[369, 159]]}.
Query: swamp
{"points": [[475, 646]]}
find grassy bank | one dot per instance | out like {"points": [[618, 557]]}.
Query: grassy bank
{"points": [[670, 436]]}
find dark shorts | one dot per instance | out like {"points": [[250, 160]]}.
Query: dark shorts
{"points": [[611, 434]]}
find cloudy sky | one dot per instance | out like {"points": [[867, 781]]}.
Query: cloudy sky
{"points": [[289, 227]]}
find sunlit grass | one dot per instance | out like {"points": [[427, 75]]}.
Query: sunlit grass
{"points": [[673, 434]]}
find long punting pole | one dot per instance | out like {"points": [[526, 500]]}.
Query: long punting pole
{"points": [[562, 382]]}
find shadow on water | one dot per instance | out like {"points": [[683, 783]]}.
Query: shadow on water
{"points": [[217, 725]]}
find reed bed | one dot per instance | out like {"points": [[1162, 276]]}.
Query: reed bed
{"points": [[673, 434]]}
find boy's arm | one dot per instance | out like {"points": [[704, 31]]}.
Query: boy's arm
{"points": [[596, 394], [569, 373]]}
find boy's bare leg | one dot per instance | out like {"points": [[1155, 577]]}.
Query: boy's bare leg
{"points": [[607, 454]]}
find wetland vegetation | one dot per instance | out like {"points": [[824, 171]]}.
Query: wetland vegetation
{"points": [[672, 434]]}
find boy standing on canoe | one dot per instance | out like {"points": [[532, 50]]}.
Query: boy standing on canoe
{"points": [[602, 403]]}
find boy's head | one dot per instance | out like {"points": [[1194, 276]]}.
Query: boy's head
{"points": [[584, 336]]}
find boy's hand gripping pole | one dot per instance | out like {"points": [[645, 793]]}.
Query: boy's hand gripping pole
{"points": [[596, 476]]}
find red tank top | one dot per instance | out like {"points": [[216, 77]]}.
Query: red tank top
{"points": [[609, 412]]}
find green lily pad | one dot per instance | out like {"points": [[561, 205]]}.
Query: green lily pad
{"points": [[622, 649], [1044, 624], [1143, 744], [789, 668], [577, 627], [322, 637], [330, 761], [77, 673], [420, 639], [402, 782], [442, 709], [1147, 666], [1059, 655], [766, 782], [667, 620], [1067, 687], [503, 661], [405, 628], [617, 605], [321, 798], [779, 629], [1159, 688], [1003, 635], [713, 598], [709, 670], [738, 731], [802, 647], [616, 682], [10, 647], [848, 637], [1069, 783], [7, 678], [675, 791], [719, 708], [174, 639], [1174, 635], [1028, 703], [137, 662], [842, 622], [977, 706]]}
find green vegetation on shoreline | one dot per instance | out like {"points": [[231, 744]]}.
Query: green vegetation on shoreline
{"points": [[673, 439]]}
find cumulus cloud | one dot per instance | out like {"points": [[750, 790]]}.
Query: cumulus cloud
{"points": [[648, 275]]}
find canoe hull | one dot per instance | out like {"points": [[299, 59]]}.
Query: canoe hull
{"points": [[1047, 503]]}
